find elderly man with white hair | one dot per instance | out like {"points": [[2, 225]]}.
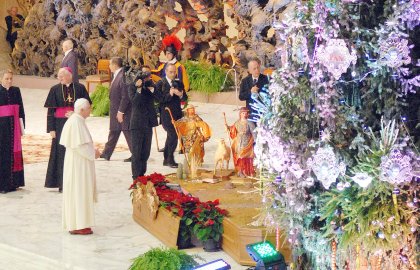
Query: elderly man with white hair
{"points": [[14, 22], [79, 180], [60, 102], [70, 59]]}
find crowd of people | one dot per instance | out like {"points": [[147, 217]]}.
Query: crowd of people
{"points": [[132, 112]]}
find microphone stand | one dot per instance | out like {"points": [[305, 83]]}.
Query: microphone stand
{"points": [[236, 83]]}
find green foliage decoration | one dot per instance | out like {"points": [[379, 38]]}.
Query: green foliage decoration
{"points": [[100, 101], [164, 259], [205, 77], [361, 212]]}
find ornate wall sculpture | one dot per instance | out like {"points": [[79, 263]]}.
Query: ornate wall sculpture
{"points": [[134, 28], [26, 5], [254, 19]]}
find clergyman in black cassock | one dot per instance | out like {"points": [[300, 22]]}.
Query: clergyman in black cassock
{"points": [[59, 102], [12, 116]]}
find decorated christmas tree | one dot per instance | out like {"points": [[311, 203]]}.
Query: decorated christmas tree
{"points": [[339, 132]]}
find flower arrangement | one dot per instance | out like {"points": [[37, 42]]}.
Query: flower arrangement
{"points": [[209, 220], [156, 178], [181, 205], [202, 219]]}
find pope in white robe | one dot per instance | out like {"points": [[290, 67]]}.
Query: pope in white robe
{"points": [[79, 181]]}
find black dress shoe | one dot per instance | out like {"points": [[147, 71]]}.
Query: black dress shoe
{"points": [[3, 191], [127, 159], [161, 150], [165, 163], [172, 164], [104, 157]]}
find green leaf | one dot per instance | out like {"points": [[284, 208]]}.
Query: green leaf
{"points": [[188, 221], [100, 101]]}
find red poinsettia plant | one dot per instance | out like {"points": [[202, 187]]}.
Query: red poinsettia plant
{"points": [[156, 178], [204, 219], [208, 220], [182, 205]]}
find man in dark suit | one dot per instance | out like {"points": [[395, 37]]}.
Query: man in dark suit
{"points": [[253, 83], [120, 110], [143, 119], [14, 22], [171, 93], [70, 59]]}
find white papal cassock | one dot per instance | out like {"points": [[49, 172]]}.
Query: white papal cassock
{"points": [[79, 182]]}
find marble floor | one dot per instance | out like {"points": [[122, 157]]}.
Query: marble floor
{"points": [[30, 219]]}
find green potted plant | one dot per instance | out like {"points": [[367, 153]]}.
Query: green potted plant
{"points": [[183, 206], [100, 101], [206, 78], [164, 259], [208, 226]]}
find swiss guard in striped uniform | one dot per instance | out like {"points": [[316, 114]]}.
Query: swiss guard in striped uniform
{"points": [[172, 45]]}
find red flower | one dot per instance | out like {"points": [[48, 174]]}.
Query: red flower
{"points": [[223, 212], [197, 211], [209, 222]]}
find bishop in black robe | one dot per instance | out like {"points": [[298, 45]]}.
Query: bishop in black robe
{"points": [[60, 100], [11, 159]]}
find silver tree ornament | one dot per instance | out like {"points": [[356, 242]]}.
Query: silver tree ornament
{"points": [[396, 168], [326, 166]]}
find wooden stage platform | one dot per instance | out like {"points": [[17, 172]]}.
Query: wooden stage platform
{"points": [[243, 204]]}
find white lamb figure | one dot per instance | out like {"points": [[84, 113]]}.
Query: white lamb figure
{"points": [[222, 154]]}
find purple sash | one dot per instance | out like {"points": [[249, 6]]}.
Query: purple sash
{"points": [[60, 112], [13, 110]]}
